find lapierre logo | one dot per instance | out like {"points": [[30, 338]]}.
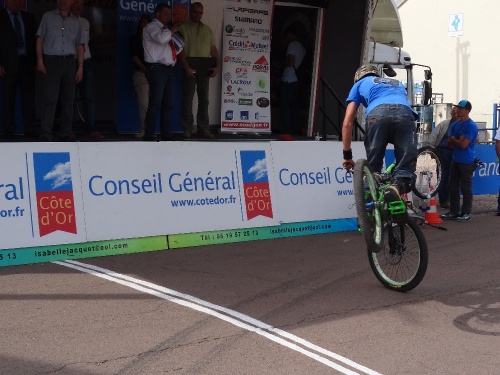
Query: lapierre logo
{"points": [[54, 192], [247, 10], [256, 184]]}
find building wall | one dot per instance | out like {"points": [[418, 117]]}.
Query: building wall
{"points": [[461, 64]]}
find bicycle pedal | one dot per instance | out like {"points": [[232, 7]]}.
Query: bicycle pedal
{"points": [[398, 212]]}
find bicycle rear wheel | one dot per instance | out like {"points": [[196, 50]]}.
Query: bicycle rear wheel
{"points": [[429, 171], [402, 263], [366, 196]]}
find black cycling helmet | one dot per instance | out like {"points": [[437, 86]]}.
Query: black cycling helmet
{"points": [[366, 70]]}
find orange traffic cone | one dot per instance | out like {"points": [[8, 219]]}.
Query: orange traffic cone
{"points": [[431, 215]]}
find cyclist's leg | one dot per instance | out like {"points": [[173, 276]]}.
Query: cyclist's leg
{"points": [[405, 149], [377, 138]]}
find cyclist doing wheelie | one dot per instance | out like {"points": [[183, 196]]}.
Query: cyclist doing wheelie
{"points": [[389, 119]]}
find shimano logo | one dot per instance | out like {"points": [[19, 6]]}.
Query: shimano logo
{"points": [[248, 20]]}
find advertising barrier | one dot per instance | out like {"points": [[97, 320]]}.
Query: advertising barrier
{"points": [[76, 200]]}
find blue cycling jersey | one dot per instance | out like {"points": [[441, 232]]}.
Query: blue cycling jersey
{"points": [[372, 91]]}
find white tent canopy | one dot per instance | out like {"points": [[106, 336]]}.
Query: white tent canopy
{"points": [[385, 24]]}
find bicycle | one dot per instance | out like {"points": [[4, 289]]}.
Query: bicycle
{"points": [[397, 249]]}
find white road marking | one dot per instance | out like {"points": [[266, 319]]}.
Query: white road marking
{"points": [[233, 317]]}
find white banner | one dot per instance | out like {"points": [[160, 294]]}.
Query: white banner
{"points": [[66, 193], [245, 97], [154, 190], [310, 181]]}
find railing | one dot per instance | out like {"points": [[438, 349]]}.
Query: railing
{"points": [[333, 110]]}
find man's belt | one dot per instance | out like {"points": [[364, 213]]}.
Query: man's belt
{"points": [[60, 57], [158, 65]]}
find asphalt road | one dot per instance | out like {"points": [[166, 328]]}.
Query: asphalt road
{"points": [[304, 305]]}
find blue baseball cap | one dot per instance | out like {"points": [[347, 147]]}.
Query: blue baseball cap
{"points": [[464, 104]]}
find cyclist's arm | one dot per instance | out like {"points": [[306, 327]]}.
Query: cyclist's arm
{"points": [[347, 127]]}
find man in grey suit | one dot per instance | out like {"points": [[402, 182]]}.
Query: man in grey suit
{"points": [[17, 66]]}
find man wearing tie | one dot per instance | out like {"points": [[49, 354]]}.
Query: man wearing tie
{"points": [[17, 66], [160, 56]]}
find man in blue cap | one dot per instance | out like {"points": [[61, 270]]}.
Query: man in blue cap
{"points": [[463, 135]]}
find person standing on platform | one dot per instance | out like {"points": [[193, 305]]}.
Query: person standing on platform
{"points": [[439, 140], [141, 84], [86, 86], [160, 56], [463, 135], [289, 102], [59, 52], [199, 43], [17, 66]]}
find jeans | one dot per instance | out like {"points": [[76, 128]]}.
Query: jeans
{"points": [[446, 155], [86, 89], [161, 99], [58, 85], [290, 107], [461, 180], [201, 84], [392, 123]]}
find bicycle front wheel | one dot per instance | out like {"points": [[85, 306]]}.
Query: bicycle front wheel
{"points": [[429, 171], [402, 263], [367, 208]]}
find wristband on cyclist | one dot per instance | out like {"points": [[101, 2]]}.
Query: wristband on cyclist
{"points": [[347, 154]]}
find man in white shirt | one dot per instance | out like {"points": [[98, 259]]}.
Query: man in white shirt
{"points": [[160, 56]]}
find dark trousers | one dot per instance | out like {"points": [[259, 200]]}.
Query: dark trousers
{"points": [[86, 90], [58, 85], [25, 80], [161, 99], [461, 181], [446, 156], [201, 84], [290, 107]]}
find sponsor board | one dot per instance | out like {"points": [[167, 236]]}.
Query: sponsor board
{"points": [[150, 199], [312, 184], [246, 51], [40, 195]]}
